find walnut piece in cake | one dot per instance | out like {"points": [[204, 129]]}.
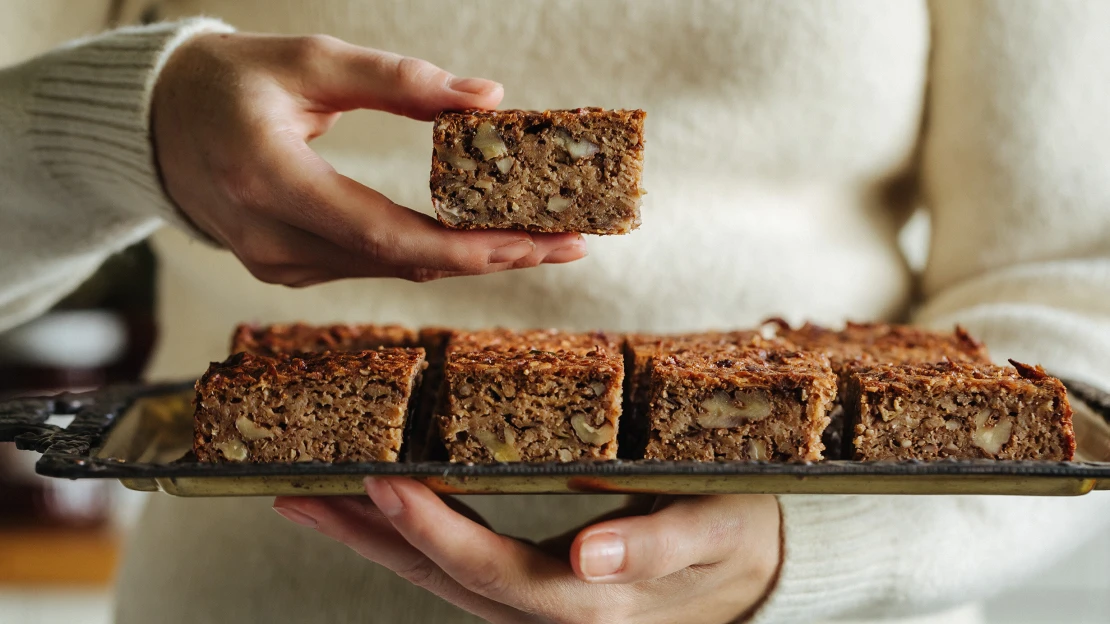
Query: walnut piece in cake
{"points": [[553, 171], [958, 411], [531, 396], [640, 350], [739, 404], [332, 407]]}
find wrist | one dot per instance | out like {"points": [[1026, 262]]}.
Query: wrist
{"points": [[768, 564], [179, 63]]}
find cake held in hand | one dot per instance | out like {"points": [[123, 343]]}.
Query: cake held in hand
{"points": [[332, 407], [958, 411], [554, 171], [531, 396], [739, 404]]}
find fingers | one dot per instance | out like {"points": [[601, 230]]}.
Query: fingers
{"points": [[305, 193], [346, 76], [278, 253], [560, 545], [691, 531], [484, 562], [356, 522]]}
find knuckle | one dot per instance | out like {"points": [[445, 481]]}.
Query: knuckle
{"points": [[465, 259], [486, 581], [409, 70], [243, 186], [421, 573], [262, 254], [373, 245], [267, 274], [309, 48], [665, 553], [528, 262], [420, 275]]}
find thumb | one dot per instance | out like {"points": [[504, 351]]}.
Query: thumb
{"points": [[697, 530], [343, 76]]}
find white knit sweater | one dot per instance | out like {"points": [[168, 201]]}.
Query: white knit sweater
{"points": [[785, 143]]}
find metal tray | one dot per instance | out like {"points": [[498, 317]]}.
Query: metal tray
{"points": [[141, 435]]}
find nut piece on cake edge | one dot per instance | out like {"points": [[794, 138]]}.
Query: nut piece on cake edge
{"points": [[739, 404], [958, 411], [331, 407], [532, 396], [553, 171]]}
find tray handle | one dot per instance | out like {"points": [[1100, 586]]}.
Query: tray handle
{"points": [[24, 420]]}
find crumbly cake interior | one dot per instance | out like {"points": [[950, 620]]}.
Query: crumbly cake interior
{"points": [[867, 344], [951, 411], [556, 171], [739, 405], [531, 406], [326, 407]]}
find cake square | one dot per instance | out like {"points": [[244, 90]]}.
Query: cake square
{"points": [[553, 171], [305, 338], [739, 404], [332, 407], [640, 350], [867, 344], [532, 396], [958, 411]]}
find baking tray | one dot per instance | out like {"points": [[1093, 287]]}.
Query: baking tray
{"points": [[141, 435]]}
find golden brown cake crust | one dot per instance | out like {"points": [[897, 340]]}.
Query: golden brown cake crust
{"points": [[861, 343], [302, 337]]}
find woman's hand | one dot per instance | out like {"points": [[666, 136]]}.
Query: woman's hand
{"points": [[232, 116], [707, 559]]}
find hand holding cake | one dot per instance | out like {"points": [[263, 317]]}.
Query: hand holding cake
{"points": [[233, 115]]}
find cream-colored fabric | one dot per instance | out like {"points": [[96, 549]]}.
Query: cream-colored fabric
{"points": [[782, 140]]}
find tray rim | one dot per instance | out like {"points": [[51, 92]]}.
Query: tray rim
{"points": [[70, 452]]}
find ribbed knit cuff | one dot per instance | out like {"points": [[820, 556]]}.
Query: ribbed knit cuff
{"points": [[90, 115], [839, 552]]}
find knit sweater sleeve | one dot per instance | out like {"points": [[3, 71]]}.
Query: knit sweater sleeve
{"points": [[1013, 175], [77, 169]]}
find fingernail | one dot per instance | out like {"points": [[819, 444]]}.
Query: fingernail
{"points": [[511, 252], [297, 517], [384, 496], [473, 86], [566, 254], [602, 555]]}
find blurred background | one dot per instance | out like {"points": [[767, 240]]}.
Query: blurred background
{"points": [[60, 540]]}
